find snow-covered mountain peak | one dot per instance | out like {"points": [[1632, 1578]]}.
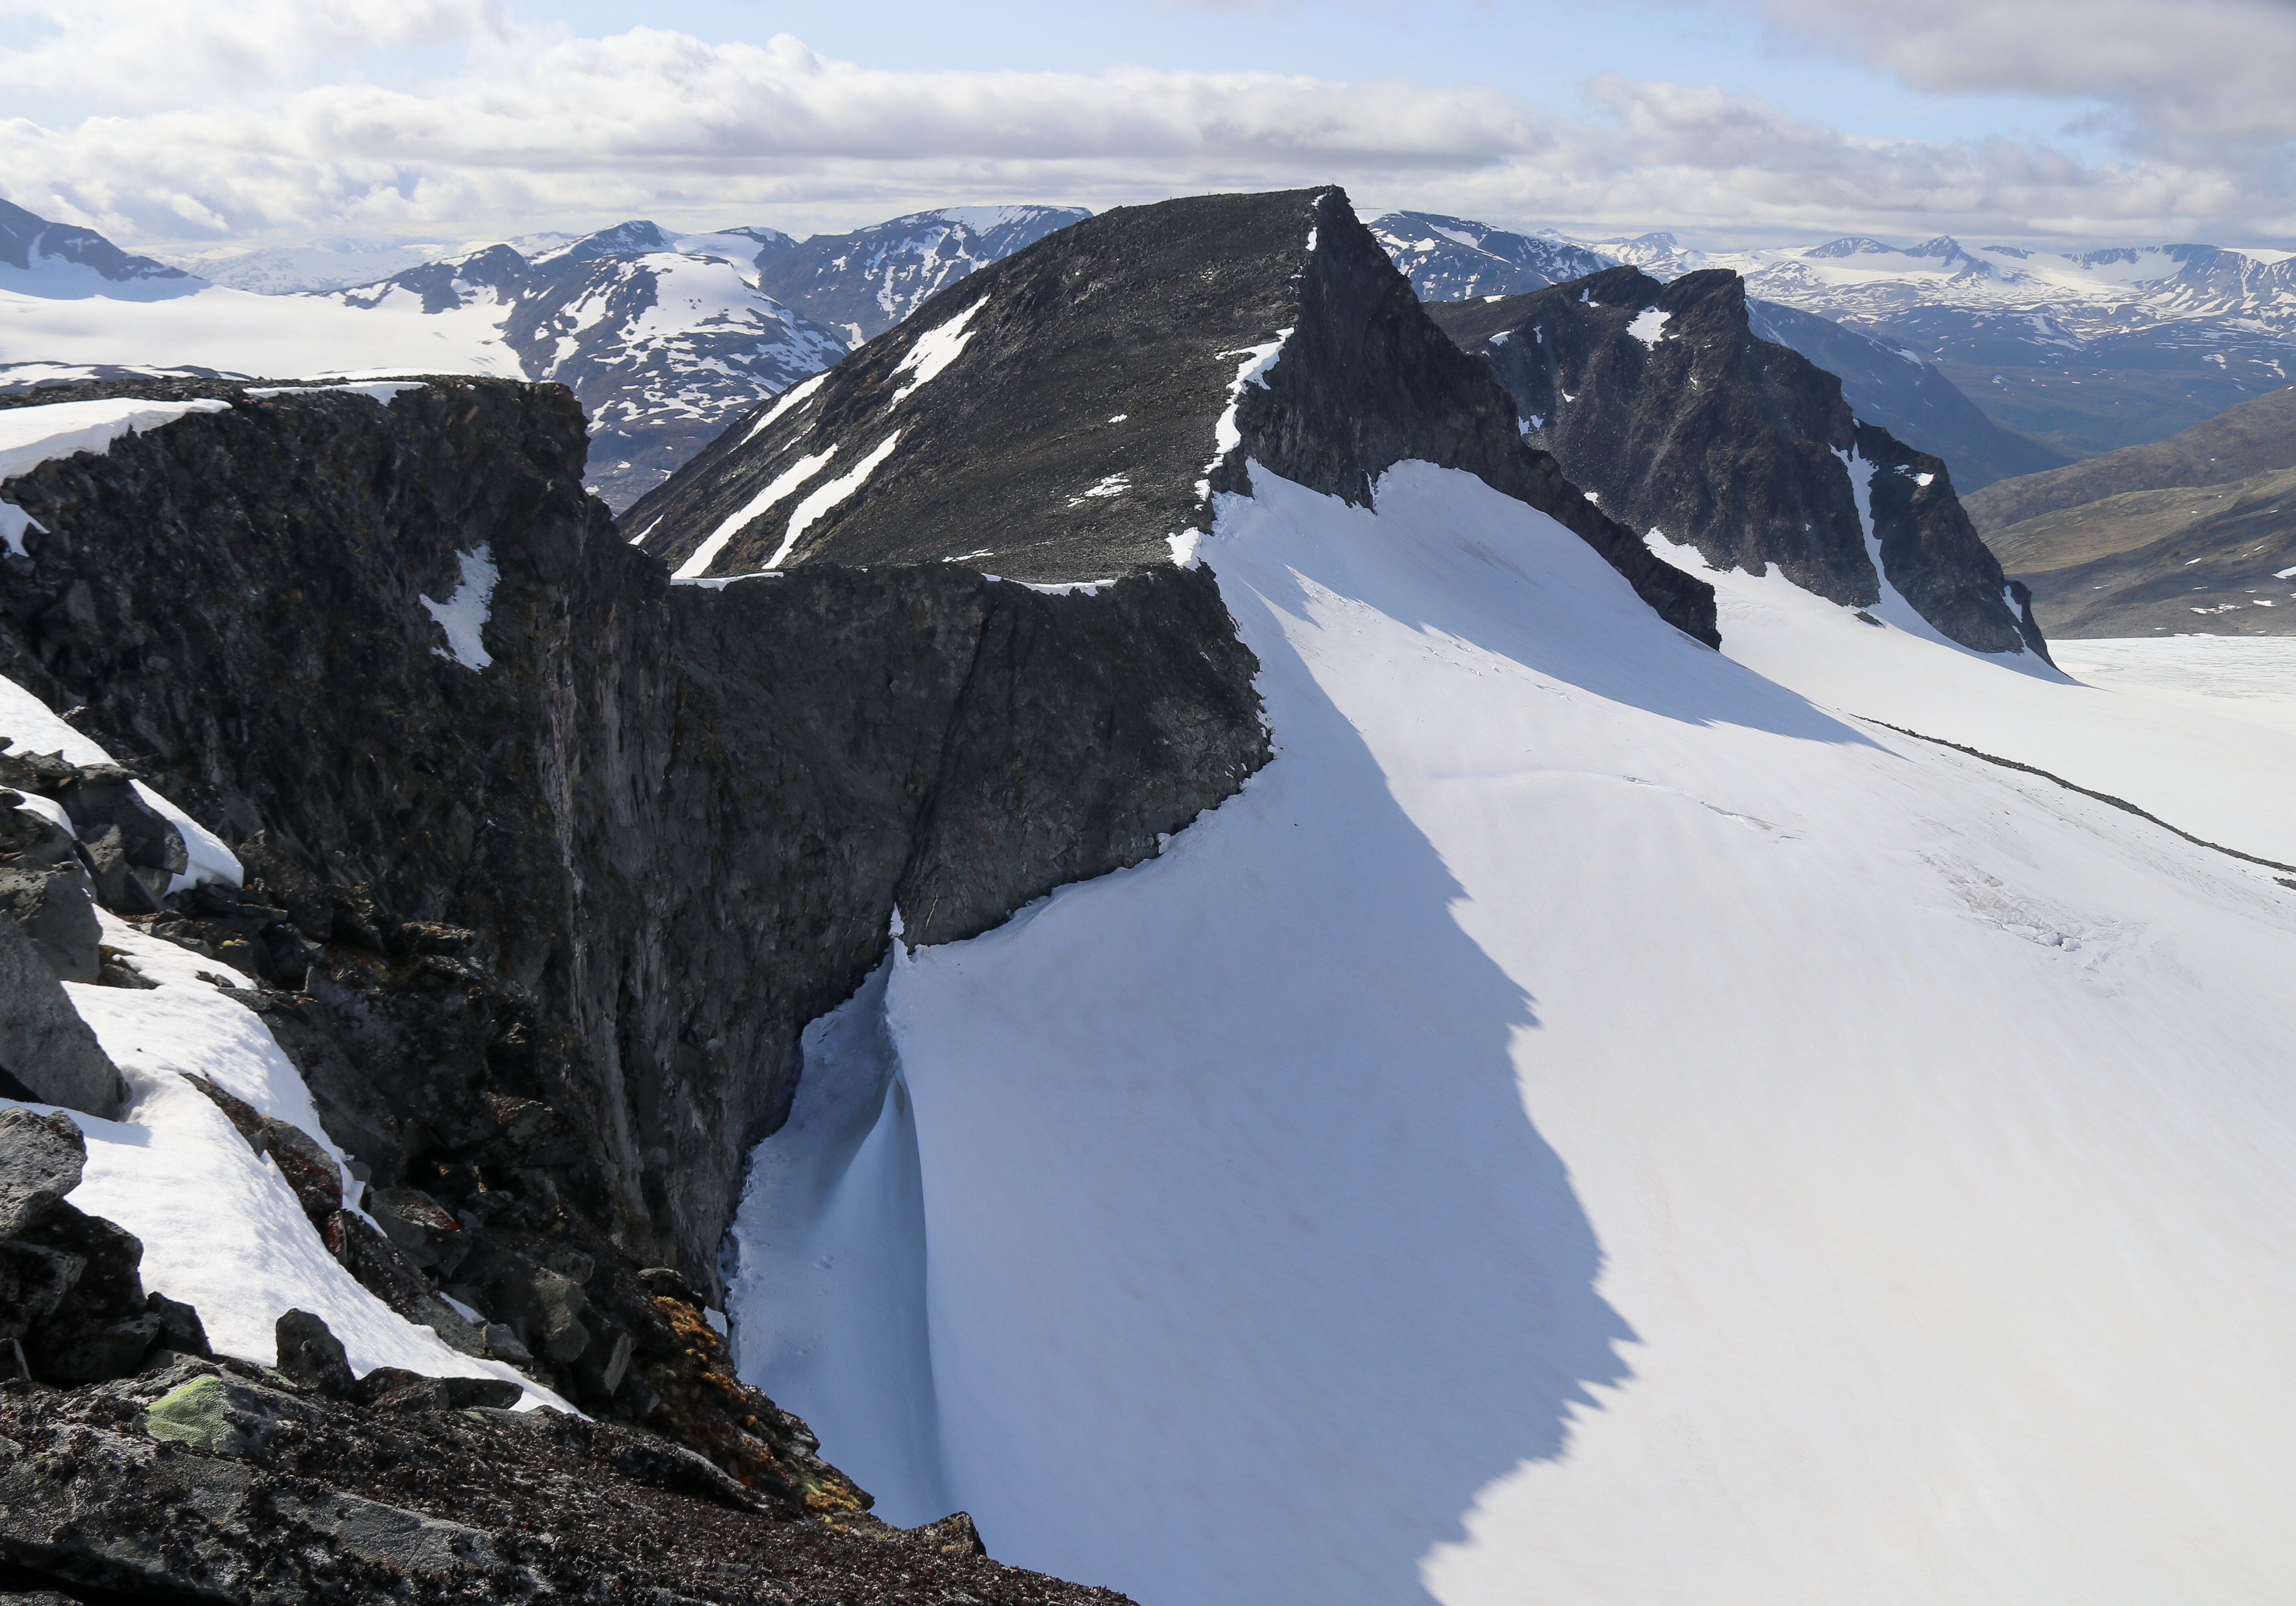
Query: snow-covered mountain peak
{"points": [[56, 261], [866, 281], [624, 239], [1452, 258], [1299, 366]]}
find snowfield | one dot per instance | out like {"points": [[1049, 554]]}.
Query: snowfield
{"points": [[239, 332], [1595, 1120]]}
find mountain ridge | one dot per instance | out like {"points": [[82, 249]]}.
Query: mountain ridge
{"points": [[1085, 398]]}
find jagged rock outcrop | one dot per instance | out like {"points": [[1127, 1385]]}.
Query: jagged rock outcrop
{"points": [[672, 823], [1659, 400], [48, 1053], [1062, 415]]}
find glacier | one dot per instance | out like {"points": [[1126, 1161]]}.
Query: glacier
{"points": [[1595, 1120]]}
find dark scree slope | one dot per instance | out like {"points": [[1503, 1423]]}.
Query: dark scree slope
{"points": [[1069, 426], [1736, 446]]}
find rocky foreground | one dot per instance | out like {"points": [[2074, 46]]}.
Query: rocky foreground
{"points": [[177, 1475]]}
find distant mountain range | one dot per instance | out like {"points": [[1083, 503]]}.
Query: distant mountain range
{"points": [[661, 337], [2004, 362], [2088, 351], [1454, 259]]}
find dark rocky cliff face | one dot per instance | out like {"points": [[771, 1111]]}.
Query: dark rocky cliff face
{"points": [[674, 821], [1659, 399], [1056, 416]]}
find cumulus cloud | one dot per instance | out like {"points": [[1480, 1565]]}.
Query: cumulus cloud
{"points": [[159, 52], [571, 131]]}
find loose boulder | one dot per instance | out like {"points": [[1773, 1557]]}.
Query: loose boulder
{"points": [[48, 1053], [41, 1160], [54, 906], [310, 1354]]}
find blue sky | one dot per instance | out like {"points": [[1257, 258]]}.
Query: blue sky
{"points": [[180, 121]]}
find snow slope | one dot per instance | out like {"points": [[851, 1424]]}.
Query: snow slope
{"points": [[1588, 1123], [2198, 762]]}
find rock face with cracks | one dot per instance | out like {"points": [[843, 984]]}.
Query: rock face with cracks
{"points": [[587, 893]]}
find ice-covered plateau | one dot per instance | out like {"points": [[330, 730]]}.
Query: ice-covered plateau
{"points": [[1381, 1005]]}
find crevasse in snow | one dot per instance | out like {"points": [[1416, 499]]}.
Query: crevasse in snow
{"points": [[1589, 1121]]}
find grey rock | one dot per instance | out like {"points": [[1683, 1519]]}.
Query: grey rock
{"points": [[41, 1159], [104, 1326], [54, 906], [46, 1047], [30, 838], [953, 1535], [386, 1273], [102, 798], [121, 886], [33, 1282], [552, 1305], [418, 1225], [310, 1354], [88, 1352], [202, 1528], [181, 1331], [219, 1415], [606, 1360]]}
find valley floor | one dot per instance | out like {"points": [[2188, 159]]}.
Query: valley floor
{"points": [[1595, 1120]]}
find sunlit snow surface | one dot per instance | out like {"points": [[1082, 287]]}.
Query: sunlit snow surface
{"points": [[1591, 1123], [239, 331]]}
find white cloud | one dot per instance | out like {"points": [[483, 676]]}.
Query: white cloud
{"points": [[160, 51], [2190, 69], [574, 132]]}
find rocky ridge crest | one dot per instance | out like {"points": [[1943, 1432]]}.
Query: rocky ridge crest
{"points": [[1659, 399], [1065, 416]]}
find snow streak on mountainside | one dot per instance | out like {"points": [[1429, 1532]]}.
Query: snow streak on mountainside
{"points": [[1588, 1122]]}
